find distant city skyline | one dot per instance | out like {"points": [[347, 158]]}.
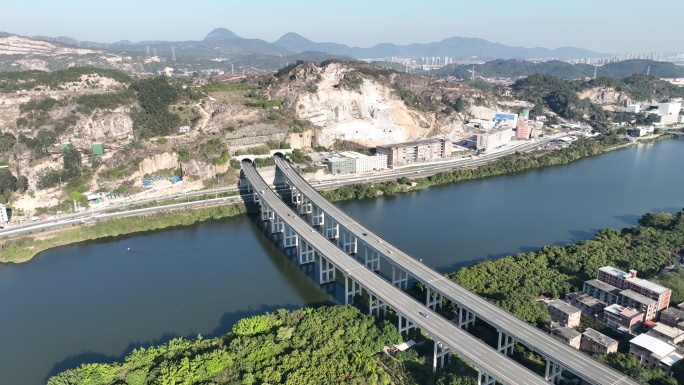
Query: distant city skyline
{"points": [[611, 27]]}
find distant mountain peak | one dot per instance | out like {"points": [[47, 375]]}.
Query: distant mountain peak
{"points": [[292, 36], [219, 34]]}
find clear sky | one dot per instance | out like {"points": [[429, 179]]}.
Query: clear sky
{"points": [[609, 26]]}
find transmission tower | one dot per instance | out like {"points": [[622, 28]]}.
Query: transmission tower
{"points": [[173, 53], [648, 70], [148, 50], [154, 50], [595, 68]]}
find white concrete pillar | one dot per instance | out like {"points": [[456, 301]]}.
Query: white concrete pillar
{"points": [[399, 277]]}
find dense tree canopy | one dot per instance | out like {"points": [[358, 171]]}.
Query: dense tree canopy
{"points": [[330, 345]]}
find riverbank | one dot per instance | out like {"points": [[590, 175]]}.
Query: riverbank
{"points": [[24, 248], [513, 163]]}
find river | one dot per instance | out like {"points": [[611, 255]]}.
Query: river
{"points": [[96, 301]]}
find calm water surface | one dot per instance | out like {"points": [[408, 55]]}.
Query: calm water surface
{"points": [[96, 301]]}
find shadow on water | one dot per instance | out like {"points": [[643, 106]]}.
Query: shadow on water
{"points": [[225, 325]]}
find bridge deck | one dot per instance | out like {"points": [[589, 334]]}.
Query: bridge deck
{"points": [[460, 342], [578, 362]]}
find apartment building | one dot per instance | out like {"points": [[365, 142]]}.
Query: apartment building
{"points": [[595, 342], [587, 304], [667, 333], [493, 139], [418, 151], [364, 163], [564, 313], [654, 352], [568, 335], [643, 304], [671, 316], [629, 281], [622, 318], [601, 290]]}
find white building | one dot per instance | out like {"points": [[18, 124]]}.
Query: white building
{"points": [[493, 139], [633, 108], [654, 352], [3, 214], [365, 163], [669, 108]]}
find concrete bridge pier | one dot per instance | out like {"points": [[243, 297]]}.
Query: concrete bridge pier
{"points": [[326, 272], [506, 343], [290, 237], [331, 228], [404, 324], [433, 300], [348, 242], [465, 318], [350, 292], [441, 351], [375, 304], [295, 195], [484, 378], [371, 258], [305, 253], [277, 224], [553, 371], [317, 216], [266, 213], [305, 206], [399, 277]]}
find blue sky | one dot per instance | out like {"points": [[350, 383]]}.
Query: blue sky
{"points": [[610, 26]]}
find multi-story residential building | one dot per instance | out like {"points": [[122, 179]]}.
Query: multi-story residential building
{"points": [[568, 335], [601, 291], [671, 316], [364, 163], [629, 281], [595, 342], [586, 303], [493, 139], [426, 150], [622, 318], [667, 333], [341, 165], [524, 129], [564, 313], [654, 352], [643, 304]]}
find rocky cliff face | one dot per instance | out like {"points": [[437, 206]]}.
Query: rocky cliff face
{"points": [[607, 98], [370, 115], [15, 45]]}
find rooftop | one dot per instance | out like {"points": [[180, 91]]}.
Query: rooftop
{"points": [[564, 307], [638, 297], [615, 272], [352, 154], [585, 299], [668, 331], [659, 348], [614, 309], [602, 286], [654, 287], [568, 333], [414, 143], [598, 337]]}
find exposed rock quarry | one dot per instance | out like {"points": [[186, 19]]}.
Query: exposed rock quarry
{"points": [[15, 45], [607, 98], [158, 162], [371, 116]]}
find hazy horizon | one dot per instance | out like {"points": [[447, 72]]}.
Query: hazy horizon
{"points": [[603, 27]]}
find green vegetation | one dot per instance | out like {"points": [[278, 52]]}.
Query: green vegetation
{"points": [[329, 345], [519, 68], [631, 366], [561, 97], [155, 96], [508, 164], [37, 112], [217, 87], [25, 248], [351, 81], [28, 80], [106, 101], [674, 279], [261, 102]]}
